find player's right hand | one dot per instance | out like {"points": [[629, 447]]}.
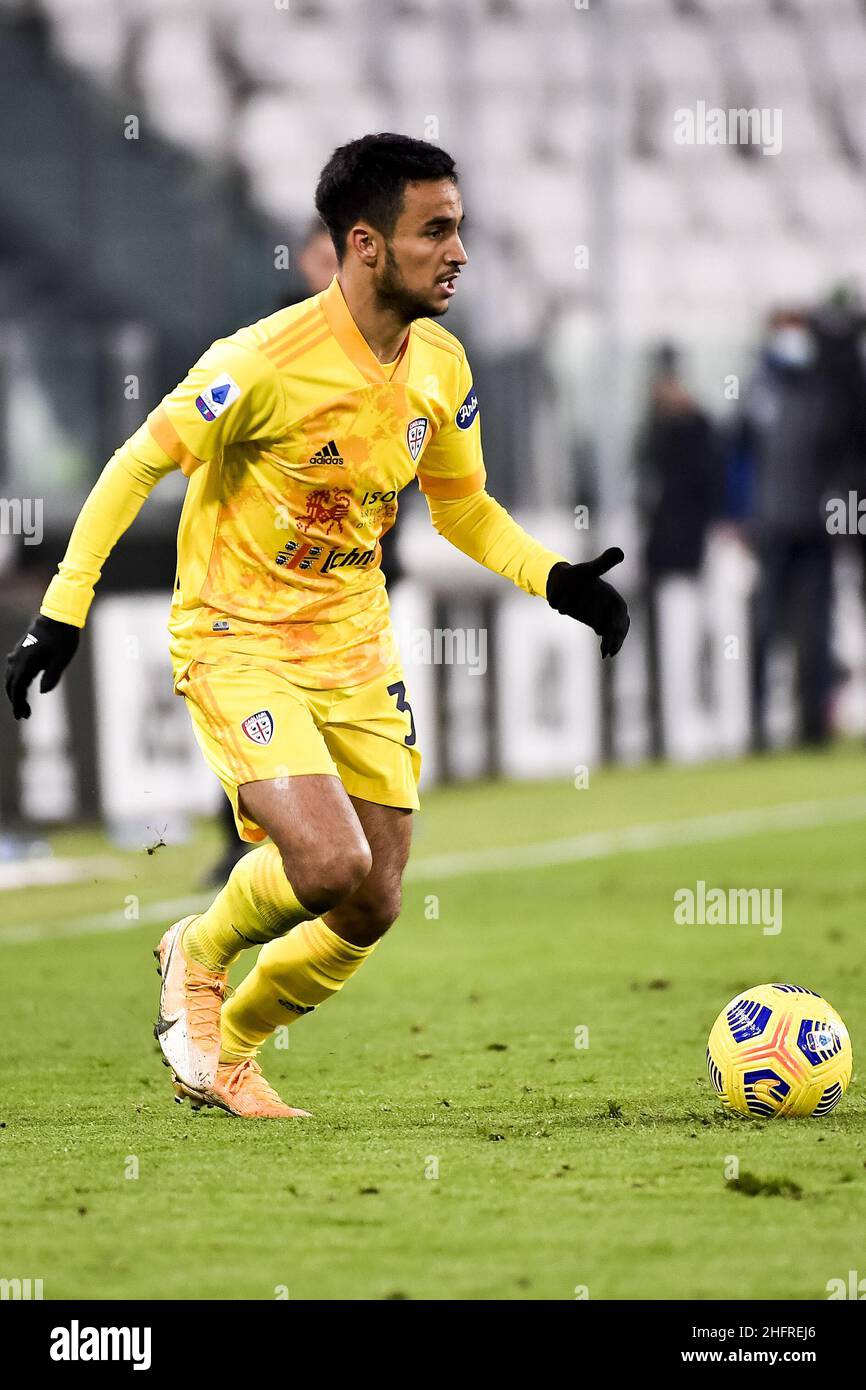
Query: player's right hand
{"points": [[47, 646]]}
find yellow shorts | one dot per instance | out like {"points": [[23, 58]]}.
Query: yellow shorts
{"points": [[253, 724]]}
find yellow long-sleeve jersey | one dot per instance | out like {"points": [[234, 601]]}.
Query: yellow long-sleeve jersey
{"points": [[296, 441]]}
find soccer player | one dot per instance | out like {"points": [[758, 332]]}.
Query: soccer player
{"points": [[296, 435]]}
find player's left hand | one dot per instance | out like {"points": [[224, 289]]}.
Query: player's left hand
{"points": [[581, 593]]}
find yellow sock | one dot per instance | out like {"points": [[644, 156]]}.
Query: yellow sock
{"points": [[256, 905], [291, 976]]}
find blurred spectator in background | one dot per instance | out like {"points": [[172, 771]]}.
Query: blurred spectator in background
{"points": [[316, 261], [791, 451], [679, 473], [840, 329]]}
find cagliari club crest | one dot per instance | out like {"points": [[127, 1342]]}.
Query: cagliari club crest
{"points": [[416, 434], [259, 727]]}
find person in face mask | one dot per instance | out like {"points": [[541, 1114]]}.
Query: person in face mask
{"points": [[788, 448], [791, 343], [678, 473]]}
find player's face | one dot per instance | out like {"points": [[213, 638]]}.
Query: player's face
{"points": [[424, 255]]}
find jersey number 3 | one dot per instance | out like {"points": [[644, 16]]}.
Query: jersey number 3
{"points": [[399, 689]]}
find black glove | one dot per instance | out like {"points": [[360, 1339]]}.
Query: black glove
{"points": [[47, 646], [578, 591]]}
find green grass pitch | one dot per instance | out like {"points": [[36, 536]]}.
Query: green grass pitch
{"points": [[559, 1167]]}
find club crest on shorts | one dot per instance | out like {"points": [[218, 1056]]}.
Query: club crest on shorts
{"points": [[416, 433], [259, 727]]}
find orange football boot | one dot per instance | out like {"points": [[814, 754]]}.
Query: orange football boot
{"points": [[241, 1089]]}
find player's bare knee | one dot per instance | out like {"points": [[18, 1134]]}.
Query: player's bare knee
{"points": [[323, 883]]}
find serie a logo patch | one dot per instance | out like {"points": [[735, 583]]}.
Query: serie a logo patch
{"points": [[259, 728], [222, 392]]}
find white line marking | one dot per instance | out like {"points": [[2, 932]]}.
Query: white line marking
{"points": [[633, 839], [36, 872], [167, 910], [603, 844]]}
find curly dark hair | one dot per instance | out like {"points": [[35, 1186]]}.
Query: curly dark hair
{"points": [[367, 178]]}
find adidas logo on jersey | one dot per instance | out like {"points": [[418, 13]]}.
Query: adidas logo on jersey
{"points": [[330, 454]]}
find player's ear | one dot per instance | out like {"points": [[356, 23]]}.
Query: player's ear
{"points": [[364, 242]]}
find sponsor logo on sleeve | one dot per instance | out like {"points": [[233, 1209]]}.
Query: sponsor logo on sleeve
{"points": [[222, 392], [259, 728], [416, 433], [467, 411]]}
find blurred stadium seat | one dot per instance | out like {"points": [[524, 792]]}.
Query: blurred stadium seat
{"points": [[221, 80]]}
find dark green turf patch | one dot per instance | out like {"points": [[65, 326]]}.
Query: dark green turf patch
{"points": [[752, 1186]]}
